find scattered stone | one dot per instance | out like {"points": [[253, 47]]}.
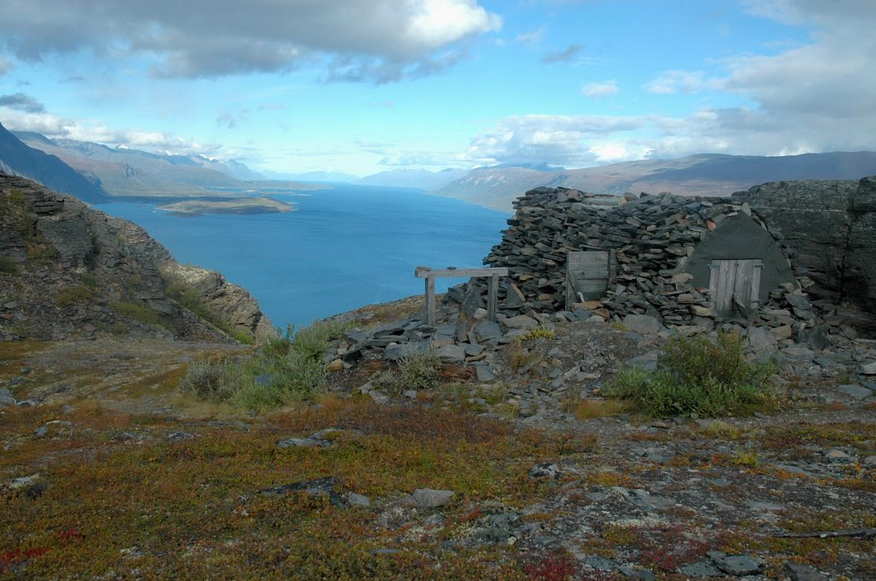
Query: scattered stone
{"points": [[360, 500], [336, 365], [648, 361], [838, 456], [451, 353], [303, 443], [801, 572], [41, 431], [854, 390], [319, 487], [545, 471], [643, 324], [7, 401], [485, 375], [428, 498], [379, 397], [179, 436], [521, 322], [738, 565], [868, 369], [700, 570]]}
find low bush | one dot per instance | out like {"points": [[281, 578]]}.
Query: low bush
{"points": [[696, 376], [73, 294], [7, 266], [137, 312], [284, 371], [419, 370], [210, 381]]}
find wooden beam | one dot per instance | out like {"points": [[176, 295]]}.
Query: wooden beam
{"points": [[425, 271]]}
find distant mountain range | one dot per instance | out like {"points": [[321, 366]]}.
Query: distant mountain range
{"points": [[413, 178], [703, 174], [18, 159], [312, 176]]}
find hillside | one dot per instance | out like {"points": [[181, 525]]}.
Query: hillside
{"points": [[16, 158], [704, 174], [69, 271]]}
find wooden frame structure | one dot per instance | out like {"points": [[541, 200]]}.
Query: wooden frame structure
{"points": [[431, 274]]}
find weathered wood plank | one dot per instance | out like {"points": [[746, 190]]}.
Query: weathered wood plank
{"points": [[425, 271]]}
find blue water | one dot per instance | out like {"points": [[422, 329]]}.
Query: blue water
{"points": [[339, 250]]}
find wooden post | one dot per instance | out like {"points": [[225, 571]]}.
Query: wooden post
{"points": [[493, 297], [430, 301]]}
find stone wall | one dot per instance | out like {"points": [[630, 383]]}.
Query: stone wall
{"points": [[652, 238], [827, 231]]}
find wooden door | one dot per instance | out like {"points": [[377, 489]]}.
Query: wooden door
{"points": [[587, 274], [735, 286]]}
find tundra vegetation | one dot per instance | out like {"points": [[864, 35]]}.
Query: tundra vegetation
{"points": [[208, 488]]}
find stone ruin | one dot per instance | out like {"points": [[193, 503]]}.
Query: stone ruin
{"points": [[655, 241]]}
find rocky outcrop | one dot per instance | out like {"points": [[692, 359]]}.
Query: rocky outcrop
{"points": [[828, 230], [67, 270]]}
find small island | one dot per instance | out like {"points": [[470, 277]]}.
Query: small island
{"points": [[256, 205]]}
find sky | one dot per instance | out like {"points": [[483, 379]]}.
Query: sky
{"points": [[363, 86]]}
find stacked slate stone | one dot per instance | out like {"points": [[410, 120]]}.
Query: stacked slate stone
{"points": [[652, 237]]}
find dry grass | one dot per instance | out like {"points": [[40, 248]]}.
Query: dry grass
{"points": [[116, 496]]}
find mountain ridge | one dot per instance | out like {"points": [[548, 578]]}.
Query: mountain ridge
{"points": [[701, 174], [17, 158]]}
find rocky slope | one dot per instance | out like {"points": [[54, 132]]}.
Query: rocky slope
{"points": [[69, 271]]}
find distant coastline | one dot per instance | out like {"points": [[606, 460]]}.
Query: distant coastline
{"points": [[250, 205]]}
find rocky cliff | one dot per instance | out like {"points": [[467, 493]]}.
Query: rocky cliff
{"points": [[67, 270], [828, 229]]}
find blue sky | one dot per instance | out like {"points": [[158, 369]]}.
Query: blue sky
{"points": [[362, 86]]}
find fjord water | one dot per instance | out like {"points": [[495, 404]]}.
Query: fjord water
{"points": [[340, 249]]}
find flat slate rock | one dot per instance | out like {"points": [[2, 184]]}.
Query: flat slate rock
{"points": [[643, 324]]}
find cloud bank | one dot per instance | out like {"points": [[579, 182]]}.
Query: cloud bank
{"points": [[374, 40]]}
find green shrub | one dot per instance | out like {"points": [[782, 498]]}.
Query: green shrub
{"points": [[284, 371], [73, 294], [696, 376], [313, 340], [419, 370], [89, 279], [137, 312], [7, 266], [210, 381]]}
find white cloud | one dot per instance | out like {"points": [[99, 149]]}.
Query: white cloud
{"points": [[603, 89], [211, 38], [57, 127], [675, 81], [531, 37]]}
